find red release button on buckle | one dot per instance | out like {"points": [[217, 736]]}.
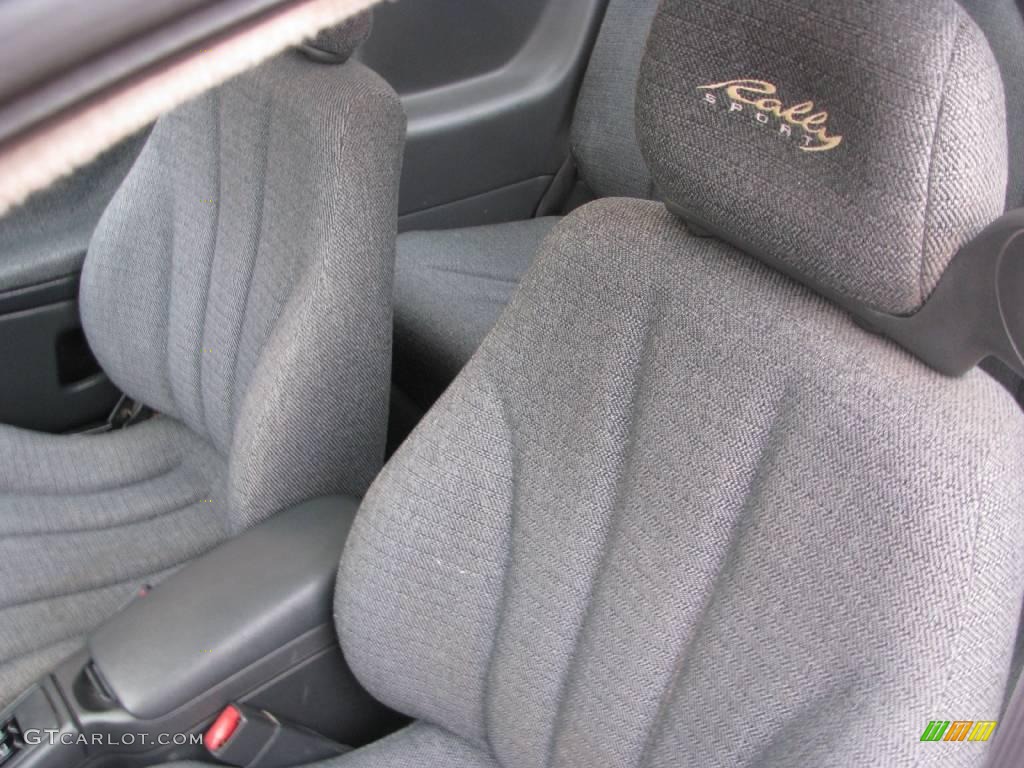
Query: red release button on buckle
{"points": [[223, 728]]}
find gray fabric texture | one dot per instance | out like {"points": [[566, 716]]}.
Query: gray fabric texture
{"points": [[241, 279], [46, 237], [912, 89], [1002, 21], [680, 510], [415, 746], [450, 287], [342, 40], [87, 520], [240, 284], [603, 135]]}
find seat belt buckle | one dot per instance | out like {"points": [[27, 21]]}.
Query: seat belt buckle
{"points": [[125, 413], [248, 737]]}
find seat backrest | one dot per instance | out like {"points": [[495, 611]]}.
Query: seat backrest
{"points": [[1002, 21], [240, 279], [603, 136], [680, 509]]}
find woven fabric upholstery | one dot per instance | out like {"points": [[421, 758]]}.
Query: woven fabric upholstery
{"points": [[1002, 21], [604, 126], [416, 746], [679, 510], [241, 279], [912, 89], [239, 283], [450, 288], [87, 520]]}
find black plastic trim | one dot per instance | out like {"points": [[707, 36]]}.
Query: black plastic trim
{"points": [[510, 203], [32, 395], [226, 610], [494, 130], [39, 295], [977, 309]]}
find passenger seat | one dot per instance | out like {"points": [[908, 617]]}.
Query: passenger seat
{"points": [[451, 285], [239, 284]]}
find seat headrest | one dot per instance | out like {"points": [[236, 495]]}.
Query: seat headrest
{"points": [[335, 45], [855, 144]]}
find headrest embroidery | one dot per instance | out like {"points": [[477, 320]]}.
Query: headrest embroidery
{"points": [[756, 93]]}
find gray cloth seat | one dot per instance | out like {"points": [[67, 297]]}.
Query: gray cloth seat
{"points": [[643, 528], [450, 297], [240, 284], [442, 307], [451, 285], [87, 521], [680, 509]]}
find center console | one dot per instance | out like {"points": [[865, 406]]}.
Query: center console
{"points": [[233, 659]]}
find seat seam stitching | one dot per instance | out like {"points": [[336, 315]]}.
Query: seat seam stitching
{"points": [[683, 656], [623, 461], [112, 526], [232, 395], [218, 143], [499, 610], [162, 472]]}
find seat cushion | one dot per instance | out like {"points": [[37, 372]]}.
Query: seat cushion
{"points": [[86, 521], [450, 288]]}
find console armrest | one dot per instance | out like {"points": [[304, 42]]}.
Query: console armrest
{"points": [[225, 611], [249, 624]]}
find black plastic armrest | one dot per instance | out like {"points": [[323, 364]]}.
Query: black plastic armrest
{"points": [[225, 611]]}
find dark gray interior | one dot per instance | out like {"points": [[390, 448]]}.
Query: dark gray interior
{"points": [[487, 132], [52, 381], [671, 472]]}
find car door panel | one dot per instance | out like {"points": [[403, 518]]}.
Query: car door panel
{"points": [[488, 130]]}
